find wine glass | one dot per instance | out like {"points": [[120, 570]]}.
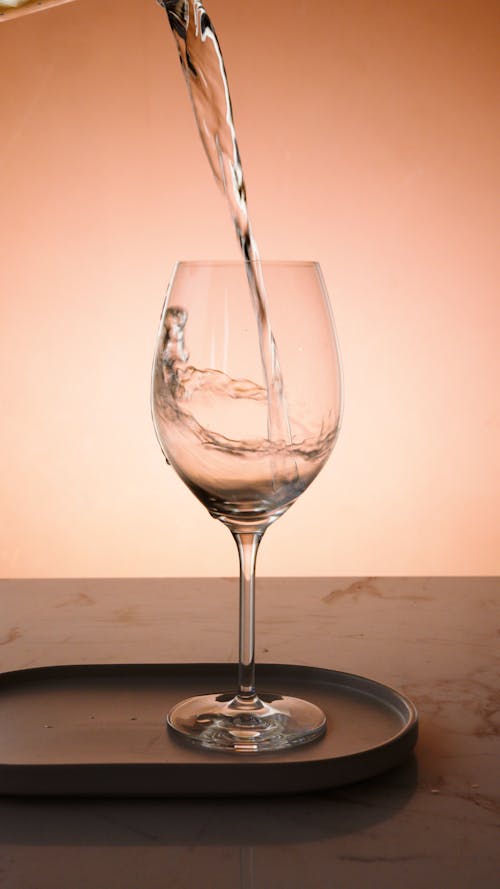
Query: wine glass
{"points": [[246, 400]]}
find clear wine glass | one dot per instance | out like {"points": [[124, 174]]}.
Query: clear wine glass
{"points": [[247, 418]]}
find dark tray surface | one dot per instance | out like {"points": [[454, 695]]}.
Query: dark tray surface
{"points": [[100, 730]]}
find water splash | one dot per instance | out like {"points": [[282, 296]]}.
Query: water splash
{"points": [[234, 476], [203, 66]]}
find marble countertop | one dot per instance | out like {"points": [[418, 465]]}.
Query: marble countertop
{"points": [[431, 822]]}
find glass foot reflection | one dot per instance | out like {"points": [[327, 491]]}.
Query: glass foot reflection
{"points": [[228, 723]]}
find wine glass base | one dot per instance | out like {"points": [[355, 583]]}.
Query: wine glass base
{"points": [[227, 723]]}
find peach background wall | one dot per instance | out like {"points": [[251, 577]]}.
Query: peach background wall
{"points": [[369, 134]]}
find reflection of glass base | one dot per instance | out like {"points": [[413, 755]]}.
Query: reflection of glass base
{"points": [[225, 722]]}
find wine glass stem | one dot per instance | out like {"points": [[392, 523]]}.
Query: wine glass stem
{"points": [[248, 544]]}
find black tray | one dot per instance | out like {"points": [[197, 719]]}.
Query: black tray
{"points": [[100, 731]]}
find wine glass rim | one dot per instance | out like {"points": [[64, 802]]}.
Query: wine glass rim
{"points": [[234, 263]]}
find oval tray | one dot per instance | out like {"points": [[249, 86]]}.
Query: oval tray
{"points": [[99, 730]]}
